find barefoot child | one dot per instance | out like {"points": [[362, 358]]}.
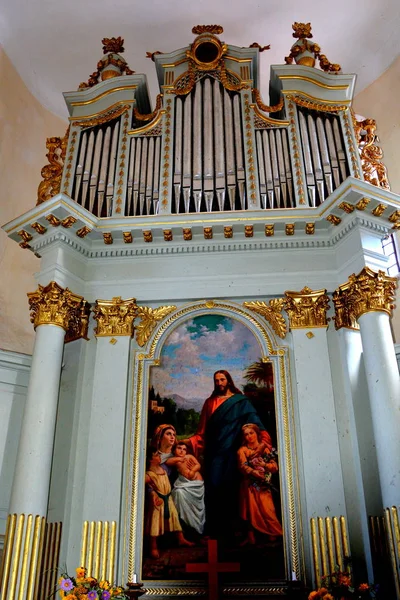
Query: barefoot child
{"points": [[188, 491], [162, 516]]}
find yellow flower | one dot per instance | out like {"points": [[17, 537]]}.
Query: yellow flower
{"points": [[313, 595], [84, 597], [80, 589], [62, 593], [363, 587], [115, 591], [104, 585], [80, 572], [328, 597], [71, 597]]}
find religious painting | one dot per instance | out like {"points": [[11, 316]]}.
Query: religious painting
{"points": [[212, 467]]}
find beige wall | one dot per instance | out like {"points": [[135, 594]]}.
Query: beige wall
{"points": [[380, 101], [24, 126]]}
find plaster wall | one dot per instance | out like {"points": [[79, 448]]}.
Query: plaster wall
{"points": [[24, 127], [379, 101]]}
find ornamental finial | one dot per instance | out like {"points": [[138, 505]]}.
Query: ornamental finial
{"points": [[113, 45], [305, 53], [214, 29]]}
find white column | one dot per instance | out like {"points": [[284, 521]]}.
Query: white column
{"points": [[30, 488], [383, 382], [318, 430]]}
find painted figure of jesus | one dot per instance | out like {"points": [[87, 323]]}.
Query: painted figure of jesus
{"points": [[217, 439]]}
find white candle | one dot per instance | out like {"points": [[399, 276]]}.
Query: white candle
{"points": [[134, 578]]}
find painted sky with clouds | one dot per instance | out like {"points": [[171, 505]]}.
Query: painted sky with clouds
{"points": [[198, 348]]}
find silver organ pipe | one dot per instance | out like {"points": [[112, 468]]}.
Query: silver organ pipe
{"points": [[103, 173], [95, 171], [323, 152], [274, 168], [238, 132], [142, 193], [229, 149], [187, 152]]}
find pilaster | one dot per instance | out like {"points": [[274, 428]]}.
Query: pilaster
{"points": [[317, 420], [103, 483]]}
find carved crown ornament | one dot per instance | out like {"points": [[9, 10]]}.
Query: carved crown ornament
{"points": [[366, 292], [115, 317], [306, 308], [111, 65], [305, 53], [54, 305]]}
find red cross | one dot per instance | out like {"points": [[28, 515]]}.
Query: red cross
{"points": [[213, 567]]}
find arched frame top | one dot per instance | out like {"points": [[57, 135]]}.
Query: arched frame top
{"points": [[271, 350]]}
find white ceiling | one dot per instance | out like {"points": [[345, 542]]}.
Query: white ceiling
{"points": [[55, 44]]}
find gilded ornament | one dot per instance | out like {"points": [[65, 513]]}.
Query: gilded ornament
{"points": [[168, 237], [187, 234], [53, 220], [305, 53], [313, 105], [310, 228], [306, 308], [378, 210], [83, 231], [210, 304], [228, 232], [289, 229], [127, 235], [208, 233], [150, 116], [310, 335], [269, 230], [108, 238], [149, 317], [248, 231], [147, 235], [54, 305], [370, 291], [347, 207], [334, 219], [396, 226], [115, 317], [26, 237], [119, 66], [371, 154], [52, 173], [68, 221], [394, 217], [265, 107], [103, 117], [260, 48], [213, 29], [363, 203], [39, 228], [344, 316], [272, 312]]}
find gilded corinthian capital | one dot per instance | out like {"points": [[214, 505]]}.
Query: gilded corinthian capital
{"points": [[115, 317], [54, 305], [366, 292], [307, 308]]}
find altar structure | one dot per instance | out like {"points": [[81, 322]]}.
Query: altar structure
{"points": [[213, 205]]}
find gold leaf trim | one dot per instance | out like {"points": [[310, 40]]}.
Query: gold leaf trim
{"points": [[214, 29], [102, 117], [306, 308], [272, 312], [149, 319], [152, 115], [115, 317]]}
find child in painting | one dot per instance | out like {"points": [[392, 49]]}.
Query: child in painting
{"points": [[188, 490], [162, 516], [257, 464]]}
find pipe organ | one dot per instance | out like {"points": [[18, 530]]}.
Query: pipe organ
{"points": [[211, 145]]}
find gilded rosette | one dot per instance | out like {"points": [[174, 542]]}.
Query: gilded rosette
{"points": [[54, 305], [369, 292], [115, 317], [307, 308]]}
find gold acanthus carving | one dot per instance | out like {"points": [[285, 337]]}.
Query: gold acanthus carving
{"points": [[149, 319], [311, 104], [115, 317], [52, 173], [302, 31], [369, 291], [306, 308], [272, 312], [102, 117], [344, 316], [370, 153], [265, 107], [111, 48], [54, 305], [214, 29]]}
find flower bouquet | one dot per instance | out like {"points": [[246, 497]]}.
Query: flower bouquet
{"points": [[339, 586], [82, 587], [265, 464]]}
